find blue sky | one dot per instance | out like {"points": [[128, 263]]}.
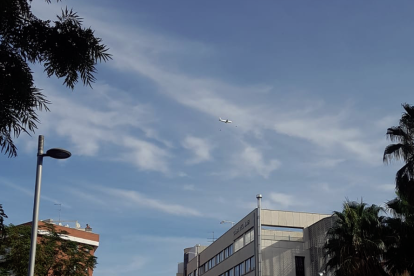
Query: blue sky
{"points": [[311, 87]]}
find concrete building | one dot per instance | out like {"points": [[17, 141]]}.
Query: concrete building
{"points": [[75, 233], [263, 243]]}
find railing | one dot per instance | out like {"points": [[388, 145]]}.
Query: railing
{"points": [[281, 238]]}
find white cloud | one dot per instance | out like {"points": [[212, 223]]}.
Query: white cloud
{"points": [[251, 160], [144, 155], [385, 187], [30, 193], [327, 162], [283, 200], [133, 198], [112, 124], [199, 147], [189, 187], [311, 122]]}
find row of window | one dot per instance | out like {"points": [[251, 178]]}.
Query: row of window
{"points": [[224, 254], [242, 268], [244, 240]]}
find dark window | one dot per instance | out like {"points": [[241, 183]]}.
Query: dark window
{"points": [[247, 263], [236, 271], [230, 250], [226, 252], [300, 265], [241, 268], [252, 262], [231, 272]]}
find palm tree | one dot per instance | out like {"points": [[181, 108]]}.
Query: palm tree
{"points": [[403, 149], [354, 245], [399, 237]]}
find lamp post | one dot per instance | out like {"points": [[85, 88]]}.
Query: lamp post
{"points": [[54, 153], [227, 221]]}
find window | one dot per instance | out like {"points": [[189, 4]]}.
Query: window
{"points": [[238, 244], [191, 274], [249, 237], [230, 250], [236, 271], [213, 262], [241, 266], [300, 265], [221, 256], [252, 263], [231, 272], [247, 264], [226, 252]]}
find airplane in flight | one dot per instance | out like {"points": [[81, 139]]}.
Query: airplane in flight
{"points": [[224, 121]]}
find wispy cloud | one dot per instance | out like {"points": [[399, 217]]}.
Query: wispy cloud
{"points": [[199, 147], [283, 200], [385, 187], [145, 155], [132, 199], [113, 124], [315, 124], [251, 161], [138, 199], [30, 192]]}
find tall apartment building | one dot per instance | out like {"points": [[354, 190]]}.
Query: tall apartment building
{"points": [[263, 243]]}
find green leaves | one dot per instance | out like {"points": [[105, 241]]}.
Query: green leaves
{"points": [[55, 255], [66, 49]]}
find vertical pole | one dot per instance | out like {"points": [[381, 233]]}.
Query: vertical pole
{"points": [[35, 219], [259, 235], [197, 245]]}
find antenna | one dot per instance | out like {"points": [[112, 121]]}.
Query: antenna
{"points": [[211, 239], [60, 208]]}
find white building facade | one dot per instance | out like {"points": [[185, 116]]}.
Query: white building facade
{"points": [[264, 243]]}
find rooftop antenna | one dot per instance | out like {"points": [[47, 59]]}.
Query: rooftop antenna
{"points": [[212, 239], [60, 208]]}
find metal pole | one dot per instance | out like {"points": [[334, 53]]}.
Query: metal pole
{"points": [[259, 235], [35, 219], [197, 245]]}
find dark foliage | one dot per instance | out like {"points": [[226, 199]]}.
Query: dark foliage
{"points": [[403, 149], [399, 237], [2, 217], [64, 47], [55, 255], [354, 244]]}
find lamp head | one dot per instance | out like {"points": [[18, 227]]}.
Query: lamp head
{"points": [[58, 153]]}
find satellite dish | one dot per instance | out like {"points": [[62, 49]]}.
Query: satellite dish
{"points": [[67, 225], [78, 225], [60, 224]]}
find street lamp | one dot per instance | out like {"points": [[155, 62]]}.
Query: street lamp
{"points": [[54, 153], [227, 221]]}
